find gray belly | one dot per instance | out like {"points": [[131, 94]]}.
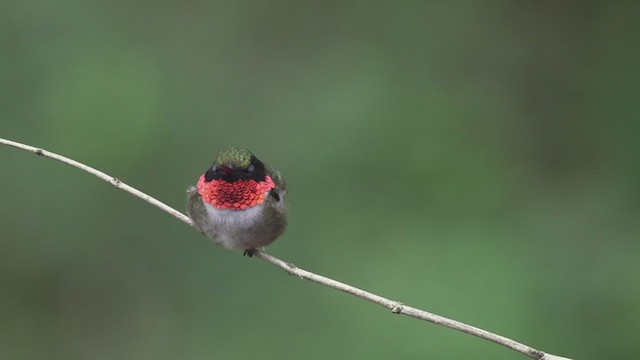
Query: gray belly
{"points": [[244, 229]]}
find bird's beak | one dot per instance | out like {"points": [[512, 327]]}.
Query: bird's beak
{"points": [[227, 169]]}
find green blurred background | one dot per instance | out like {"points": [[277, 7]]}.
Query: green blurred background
{"points": [[479, 160]]}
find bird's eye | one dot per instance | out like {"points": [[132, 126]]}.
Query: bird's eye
{"points": [[250, 168], [214, 168]]}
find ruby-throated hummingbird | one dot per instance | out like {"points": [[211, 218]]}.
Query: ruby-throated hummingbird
{"points": [[239, 202]]}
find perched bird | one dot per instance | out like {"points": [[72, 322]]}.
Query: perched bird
{"points": [[239, 202]]}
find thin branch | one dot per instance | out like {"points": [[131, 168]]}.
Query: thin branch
{"points": [[395, 306], [108, 178]]}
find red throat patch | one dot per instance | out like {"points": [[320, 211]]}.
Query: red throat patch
{"points": [[237, 195]]}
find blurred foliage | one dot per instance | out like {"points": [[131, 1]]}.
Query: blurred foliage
{"points": [[476, 159]]}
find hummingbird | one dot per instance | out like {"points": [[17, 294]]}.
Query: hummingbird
{"points": [[239, 202]]}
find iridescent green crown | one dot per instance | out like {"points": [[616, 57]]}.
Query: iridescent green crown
{"points": [[235, 157]]}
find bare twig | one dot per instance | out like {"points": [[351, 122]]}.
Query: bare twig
{"points": [[395, 306], [110, 179]]}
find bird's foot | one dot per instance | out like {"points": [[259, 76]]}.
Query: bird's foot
{"points": [[249, 252]]}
